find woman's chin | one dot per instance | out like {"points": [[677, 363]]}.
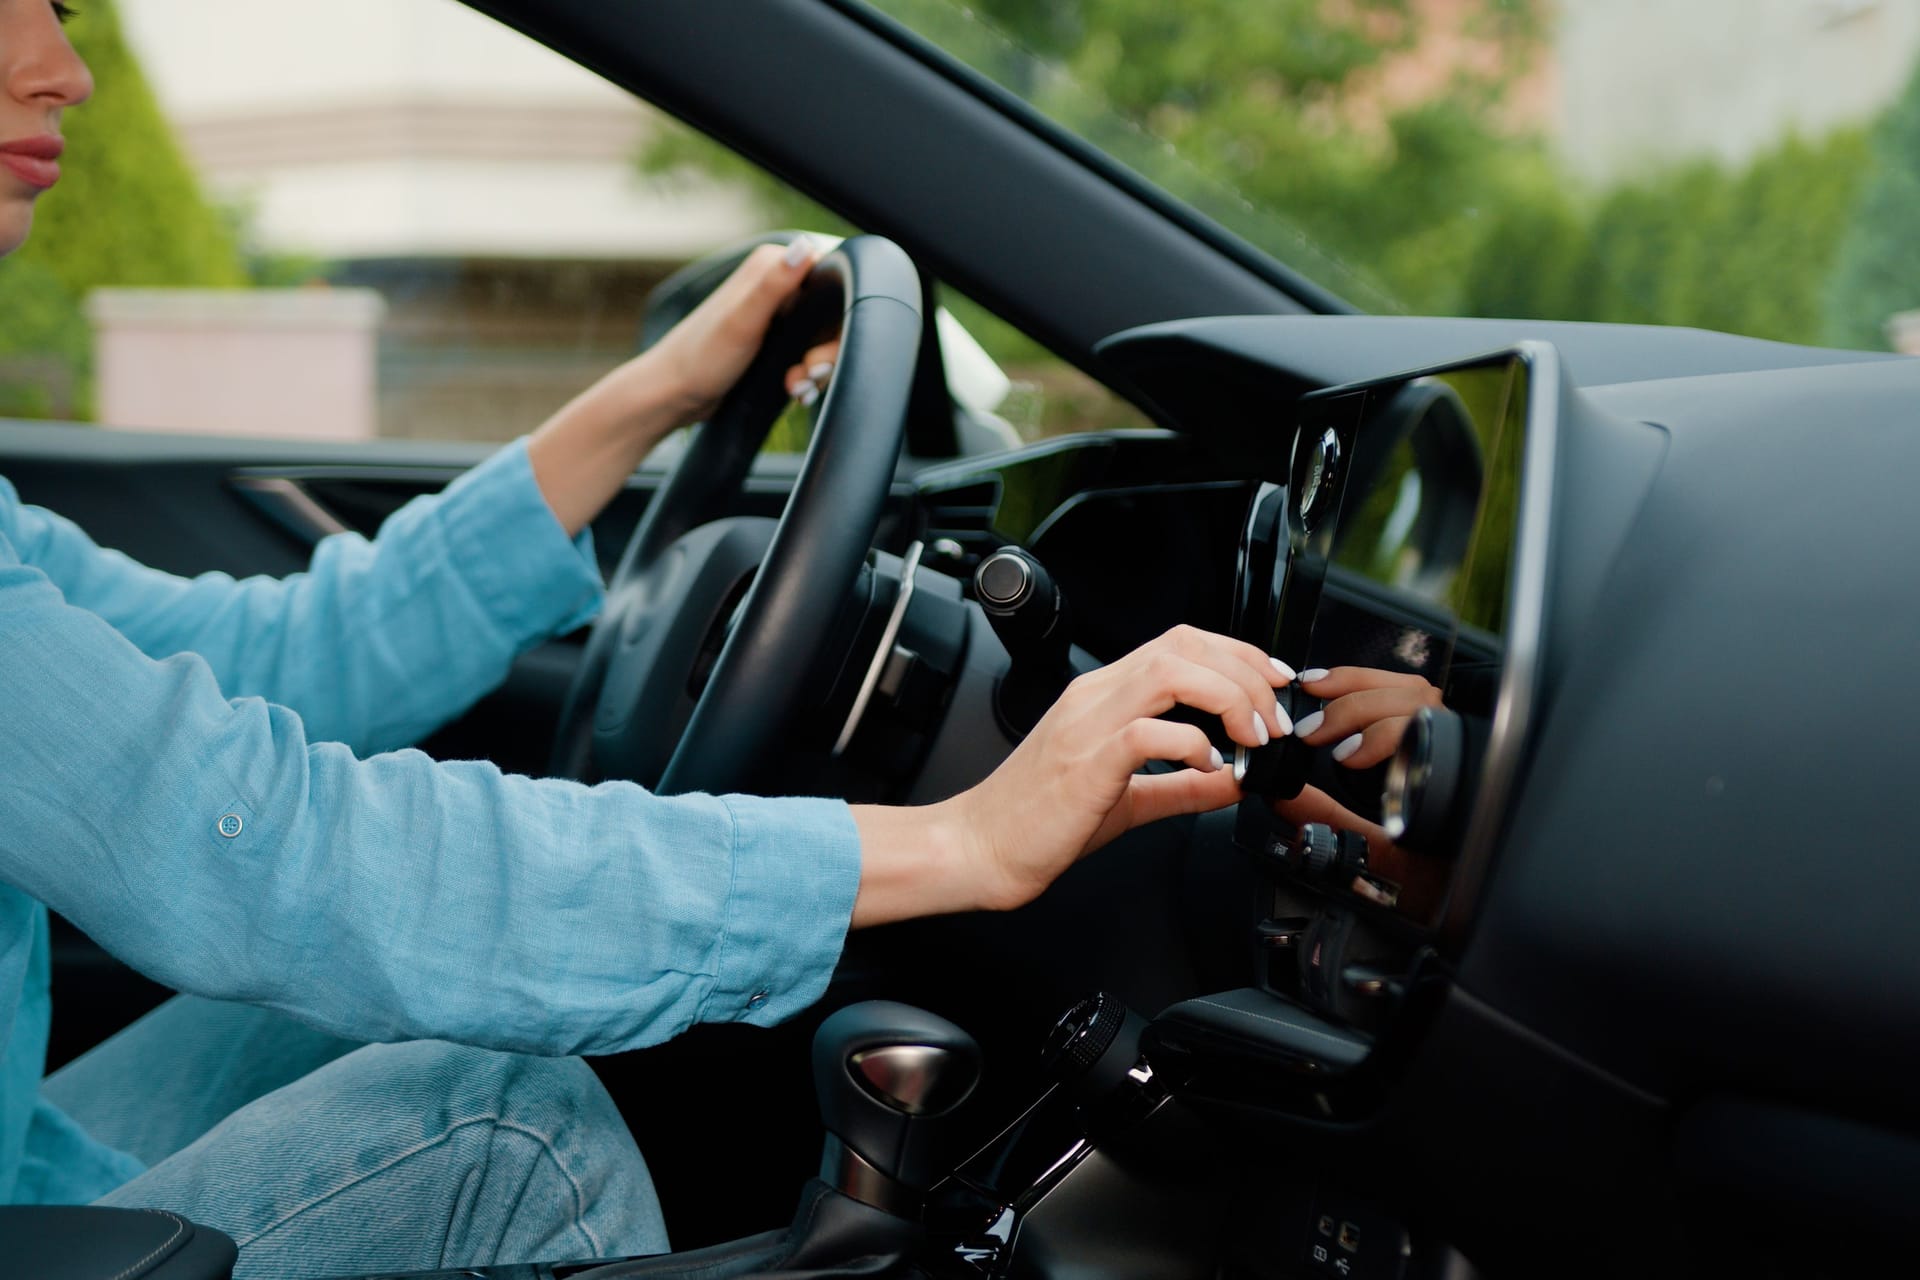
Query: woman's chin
{"points": [[16, 219]]}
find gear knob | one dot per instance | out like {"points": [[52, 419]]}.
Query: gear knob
{"points": [[889, 1077]]}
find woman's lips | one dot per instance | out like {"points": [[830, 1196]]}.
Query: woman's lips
{"points": [[31, 170], [35, 161]]}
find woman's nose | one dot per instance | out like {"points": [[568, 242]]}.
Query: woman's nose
{"points": [[40, 65]]}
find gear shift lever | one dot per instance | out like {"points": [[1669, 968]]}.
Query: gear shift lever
{"points": [[889, 1077]]}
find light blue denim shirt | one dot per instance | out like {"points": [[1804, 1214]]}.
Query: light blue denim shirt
{"points": [[190, 770]]}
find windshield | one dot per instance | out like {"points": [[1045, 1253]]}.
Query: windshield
{"points": [[1554, 159]]}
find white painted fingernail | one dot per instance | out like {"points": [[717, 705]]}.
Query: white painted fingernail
{"points": [[1260, 729], [799, 251], [822, 371], [1217, 760], [1305, 726], [1314, 674], [1347, 747], [1285, 720], [808, 395], [1286, 672]]}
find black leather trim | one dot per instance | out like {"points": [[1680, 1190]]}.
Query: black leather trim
{"points": [[86, 1242], [1250, 1024], [831, 1236]]}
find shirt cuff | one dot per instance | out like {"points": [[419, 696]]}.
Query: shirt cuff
{"points": [[796, 868], [508, 546]]}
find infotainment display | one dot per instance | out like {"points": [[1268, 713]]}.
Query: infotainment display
{"points": [[1402, 542]]}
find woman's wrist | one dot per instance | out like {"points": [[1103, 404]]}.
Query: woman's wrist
{"points": [[916, 861], [583, 454]]}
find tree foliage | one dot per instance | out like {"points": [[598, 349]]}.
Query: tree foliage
{"points": [[1878, 271], [1284, 119], [127, 212], [1746, 250], [1292, 122]]}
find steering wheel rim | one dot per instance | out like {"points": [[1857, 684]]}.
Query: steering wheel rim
{"points": [[811, 561]]}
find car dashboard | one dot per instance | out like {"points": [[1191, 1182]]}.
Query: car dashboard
{"points": [[1547, 1005]]}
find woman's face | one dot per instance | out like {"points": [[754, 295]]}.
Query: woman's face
{"points": [[39, 75]]}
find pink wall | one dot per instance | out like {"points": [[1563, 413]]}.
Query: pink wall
{"points": [[281, 363], [1903, 332]]}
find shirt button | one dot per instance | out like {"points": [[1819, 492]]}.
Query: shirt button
{"points": [[759, 998], [229, 825]]}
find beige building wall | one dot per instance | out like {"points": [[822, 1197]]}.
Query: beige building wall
{"points": [[394, 128], [486, 188], [1645, 83]]}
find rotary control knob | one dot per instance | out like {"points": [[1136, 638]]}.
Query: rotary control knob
{"points": [[1278, 771], [1429, 782], [1318, 848], [1004, 579], [1029, 614], [1094, 1046], [1330, 857], [1020, 599]]}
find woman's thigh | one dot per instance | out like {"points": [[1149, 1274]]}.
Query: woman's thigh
{"points": [[168, 1078], [415, 1156]]}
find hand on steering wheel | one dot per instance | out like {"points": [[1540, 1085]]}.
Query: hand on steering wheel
{"points": [[714, 624], [708, 351]]}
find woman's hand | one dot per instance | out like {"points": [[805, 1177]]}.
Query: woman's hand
{"points": [[1073, 784], [1366, 714], [705, 354], [584, 453], [807, 381]]}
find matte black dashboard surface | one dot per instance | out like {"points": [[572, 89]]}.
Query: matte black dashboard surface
{"points": [[1219, 367], [1710, 841], [1709, 879], [1705, 885]]}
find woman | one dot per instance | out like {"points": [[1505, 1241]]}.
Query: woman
{"points": [[202, 775]]}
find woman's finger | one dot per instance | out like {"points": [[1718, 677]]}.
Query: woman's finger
{"points": [[1271, 670], [1346, 716], [1373, 744], [808, 379], [1315, 805], [1153, 796], [820, 360], [1340, 681], [1155, 679], [1241, 663], [1148, 739]]}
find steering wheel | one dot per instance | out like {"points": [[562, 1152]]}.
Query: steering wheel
{"points": [[698, 659]]}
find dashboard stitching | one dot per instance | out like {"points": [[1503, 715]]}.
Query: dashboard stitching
{"points": [[1342, 1041], [179, 1227]]}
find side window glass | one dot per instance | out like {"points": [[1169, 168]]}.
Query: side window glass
{"points": [[309, 221], [1013, 388], [326, 221]]}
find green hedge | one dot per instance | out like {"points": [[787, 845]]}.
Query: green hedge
{"points": [[1748, 250], [1878, 271], [127, 212]]}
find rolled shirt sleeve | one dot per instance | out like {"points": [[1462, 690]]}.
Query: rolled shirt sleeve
{"points": [[213, 844], [379, 642]]}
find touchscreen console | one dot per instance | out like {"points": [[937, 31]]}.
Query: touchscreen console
{"points": [[1400, 539]]}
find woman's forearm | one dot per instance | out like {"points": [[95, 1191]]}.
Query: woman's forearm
{"points": [[583, 454], [913, 863]]}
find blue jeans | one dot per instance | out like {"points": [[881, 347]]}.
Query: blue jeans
{"points": [[324, 1158]]}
